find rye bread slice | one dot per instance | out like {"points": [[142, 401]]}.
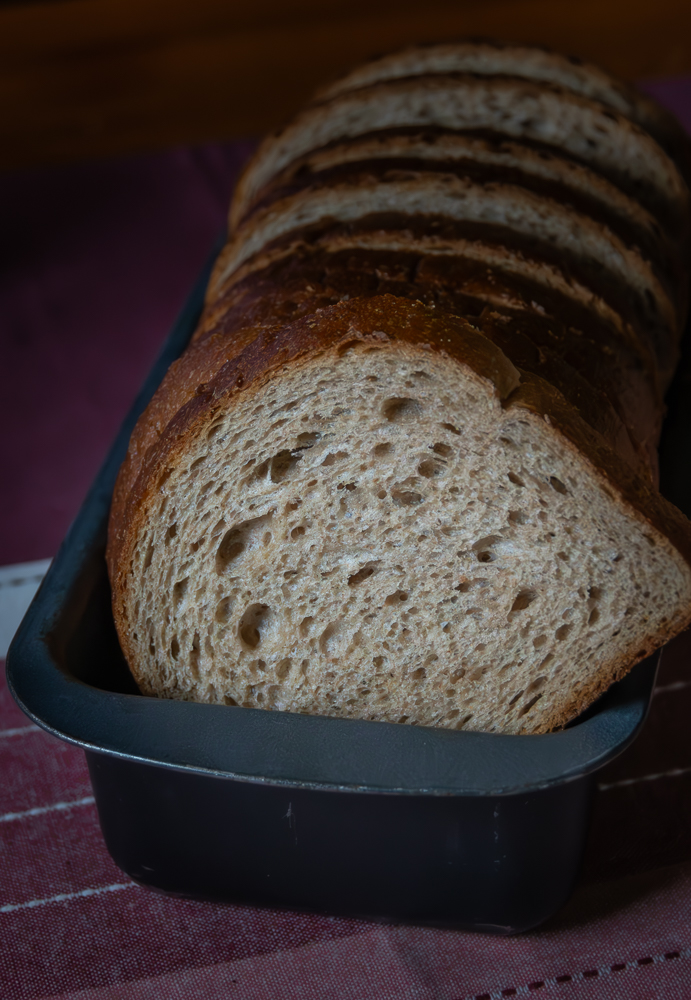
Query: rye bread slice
{"points": [[538, 166], [518, 109], [459, 199], [487, 57], [376, 515]]}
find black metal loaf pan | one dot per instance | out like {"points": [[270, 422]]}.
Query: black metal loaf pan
{"points": [[385, 821]]}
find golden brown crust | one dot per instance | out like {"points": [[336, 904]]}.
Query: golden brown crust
{"points": [[537, 262], [593, 367]]}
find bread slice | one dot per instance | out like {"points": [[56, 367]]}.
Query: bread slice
{"points": [[448, 196], [492, 58], [539, 166], [377, 515], [514, 108]]}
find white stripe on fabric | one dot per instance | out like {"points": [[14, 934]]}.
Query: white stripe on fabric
{"points": [[40, 810], [21, 731], [18, 584], [65, 897]]}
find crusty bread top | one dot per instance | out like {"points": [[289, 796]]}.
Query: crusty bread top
{"points": [[370, 319], [446, 196]]}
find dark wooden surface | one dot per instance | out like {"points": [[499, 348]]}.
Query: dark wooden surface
{"points": [[92, 78]]}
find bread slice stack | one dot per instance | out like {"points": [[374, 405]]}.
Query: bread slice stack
{"points": [[406, 470]]}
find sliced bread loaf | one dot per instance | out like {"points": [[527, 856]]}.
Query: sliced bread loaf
{"points": [[406, 469]]}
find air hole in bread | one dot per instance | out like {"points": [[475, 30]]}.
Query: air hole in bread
{"points": [[214, 429], [430, 469], [305, 625], [483, 548], [251, 624], [523, 600], [224, 610], [517, 517], [405, 498], [526, 708], [562, 632], [171, 532], [179, 591], [439, 448], [516, 480], [334, 457], [401, 409], [283, 464], [364, 573], [283, 668], [396, 598], [450, 427], [557, 485], [385, 448], [419, 674], [239, 538], [327, 640], [537, 684], [175, 648], [194, 657], [231, 547]]}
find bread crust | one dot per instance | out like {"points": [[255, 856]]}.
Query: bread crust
{"points": [[501, 250], [309, 279]]}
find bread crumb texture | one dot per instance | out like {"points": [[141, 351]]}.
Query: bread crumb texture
{"points": [[371, 534]]}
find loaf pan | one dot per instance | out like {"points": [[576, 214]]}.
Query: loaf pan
{"points": [[383, 821]]}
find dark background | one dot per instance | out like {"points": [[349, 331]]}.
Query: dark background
{"points": [[86, 78]]}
